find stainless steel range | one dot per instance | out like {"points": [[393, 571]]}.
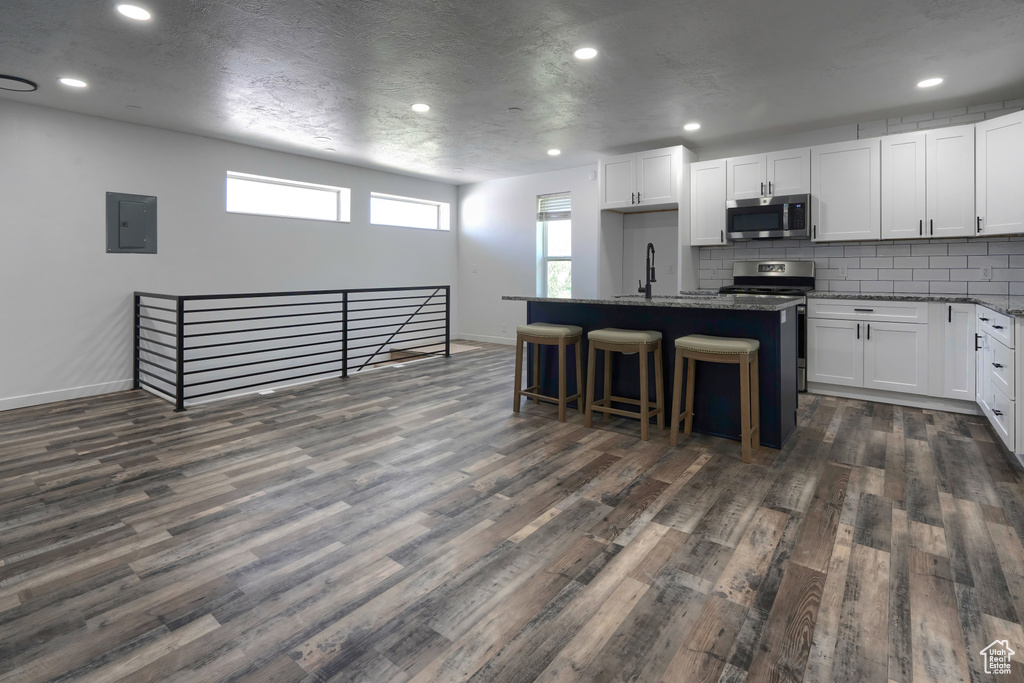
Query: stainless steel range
{"points": [[778, 278]]}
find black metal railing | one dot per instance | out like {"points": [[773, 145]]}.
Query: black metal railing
{"points": [[198, 347]]}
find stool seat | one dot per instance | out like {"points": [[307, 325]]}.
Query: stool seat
{"points": [[708, 344], [549, 330], [614, 335]]}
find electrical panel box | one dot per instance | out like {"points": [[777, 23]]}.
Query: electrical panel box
{"points": [[131, 223]]}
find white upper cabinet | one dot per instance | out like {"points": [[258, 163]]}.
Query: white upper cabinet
{"points": [[903, 186], [928, 184], [646, 180], [618, 181], [789, 172], [845, 203], [746, 177], [1000, 168], [950, 154], [707, 203], [765, 175]]}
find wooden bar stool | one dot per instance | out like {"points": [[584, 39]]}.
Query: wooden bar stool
{"points": [[642, 342], [695, 347], [546, 334]]}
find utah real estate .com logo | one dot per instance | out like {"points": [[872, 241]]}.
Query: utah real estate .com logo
{"points": [[997, 657]]}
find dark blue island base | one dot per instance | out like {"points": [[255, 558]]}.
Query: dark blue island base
{"points": [[716, 398]]}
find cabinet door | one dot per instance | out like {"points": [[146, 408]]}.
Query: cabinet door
{"points": [[835, 352], [959, 360], [746, 177], [618, 181], [896, 357], [981, 375], [999, 169], [658, 176], [789, 172], [903, 186], [707, 203], [845, 201], [950, 153]]}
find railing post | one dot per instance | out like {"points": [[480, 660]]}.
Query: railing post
{"points": [[179, 375], [136, 334], [447, 321], [344, 334]]}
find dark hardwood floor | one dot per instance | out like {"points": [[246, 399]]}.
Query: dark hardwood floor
{"points": [[405, 525]]}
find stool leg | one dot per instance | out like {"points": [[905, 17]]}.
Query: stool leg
{"points": [[745, 407], [677, 397], [755, 404], [607, 381], [536, 371], [659, 385], [591, 363], [579, 376], [519, 374], [561, 379], [691, 372], [645, 424]]}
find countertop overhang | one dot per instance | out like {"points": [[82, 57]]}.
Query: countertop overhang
{"points": [[707, 301]]}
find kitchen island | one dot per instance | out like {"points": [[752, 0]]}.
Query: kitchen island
{"points": [[770, 320]]}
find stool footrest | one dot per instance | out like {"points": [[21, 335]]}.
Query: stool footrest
{"points": [[603, 407], [550, 399]]}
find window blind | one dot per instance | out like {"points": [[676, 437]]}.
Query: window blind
{"points": [[554, 207]]}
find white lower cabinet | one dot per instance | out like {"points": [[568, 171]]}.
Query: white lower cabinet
{"points": [[996, 373], [951, 351], [896, 357], [857, 344]]}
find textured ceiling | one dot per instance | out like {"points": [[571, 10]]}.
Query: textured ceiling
{"points": [[276, 74]]}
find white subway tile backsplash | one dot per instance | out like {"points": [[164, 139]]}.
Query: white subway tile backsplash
{"points": [[934, 123], [896, 274], [1006, 248], [1017, 260], [998, 261], [1008, 274], [967, 118], [859, 250], [862, 274], [968, 249], [1014, 103], [876, 262], [988, 287], [848, 262], [931, 274], [843, 286], [947, 261], [910, 287], [965, 274], [828, 252], [895, 250], [1017, 288], [877, 286], [947, 287], [946, 113], [905, 127], [929, 249], [914, 118], [981, 108], [910, 262]]}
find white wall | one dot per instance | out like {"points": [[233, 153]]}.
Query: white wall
{"points": [[822, 136], [65, 308], [498, 247], [660, 228]]}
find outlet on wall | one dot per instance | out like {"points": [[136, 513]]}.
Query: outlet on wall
{"points": [[844, 271], [986, 272]]}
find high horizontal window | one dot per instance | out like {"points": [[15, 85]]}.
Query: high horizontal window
{"points": [[407, 212], [287, 198]]}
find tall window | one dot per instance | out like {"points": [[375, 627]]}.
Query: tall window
{"points": [[554, 230]]}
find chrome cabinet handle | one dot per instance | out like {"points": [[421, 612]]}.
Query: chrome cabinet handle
{"points": [[931, 226], [977, 338], [979, 223], [996, 365], [869, 331], [858, 330], [864, 310], [637, 197], [762, 188], [769, 187], [632, 197], [723, 236], [920, 227]]}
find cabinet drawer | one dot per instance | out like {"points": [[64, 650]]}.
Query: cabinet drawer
{"points": [[997, 325], [1001, 369], [874, 311], [1003, 417]]}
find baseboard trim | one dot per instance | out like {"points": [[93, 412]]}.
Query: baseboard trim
{"points": [[951, 405], [507, 341], [27, 400]]}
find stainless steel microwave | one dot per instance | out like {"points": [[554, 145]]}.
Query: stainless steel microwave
{"points": [[768, 217]]}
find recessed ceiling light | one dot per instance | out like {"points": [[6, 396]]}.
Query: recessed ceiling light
{"points": [[421, 108], [929, 83], [554, 152], [73, 82], [15, 84], [321, 138], [585, 53], [692, 126], [133, 12]]}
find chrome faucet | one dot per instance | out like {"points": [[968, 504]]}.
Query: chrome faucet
{"points": [[646, 289]]}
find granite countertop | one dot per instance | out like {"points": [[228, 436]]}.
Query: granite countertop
{"points": [[701, 299], [1007, 305]]}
